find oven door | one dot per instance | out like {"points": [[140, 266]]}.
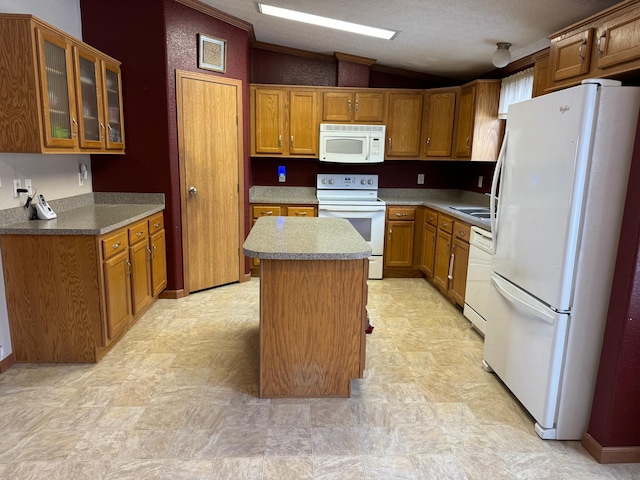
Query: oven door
{"points": [[369, 222]]}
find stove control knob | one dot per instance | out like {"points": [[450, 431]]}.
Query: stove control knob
{"points": [[324, 181], [363, 182], [370, 181], [331, 181]]}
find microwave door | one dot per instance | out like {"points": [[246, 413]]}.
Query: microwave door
{"points": [[345, 149]]}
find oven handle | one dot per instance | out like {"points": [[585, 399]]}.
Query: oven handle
{"points": [[352, 209]]}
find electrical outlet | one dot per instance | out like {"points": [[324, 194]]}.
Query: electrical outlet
{"points": [[282, 174], [27, 183], [421, 179], [480, 181], [80, 180], [16, 185]]}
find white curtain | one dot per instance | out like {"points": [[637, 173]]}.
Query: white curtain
{"points": [[515, 88]]}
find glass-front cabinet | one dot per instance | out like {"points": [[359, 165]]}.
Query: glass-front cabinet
{"points": [[70, 93]]}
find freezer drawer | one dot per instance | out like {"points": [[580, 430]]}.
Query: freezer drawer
{"points": [[524, 344]]}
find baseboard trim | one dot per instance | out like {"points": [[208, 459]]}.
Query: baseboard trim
{"points": [[610, 454], [7, 362], [173, 294]]}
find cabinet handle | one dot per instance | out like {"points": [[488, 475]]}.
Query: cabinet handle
{"points": [[116, 245], [149, 255], [155, 251], [279, 141], [405, 214], [157, 224], [301, 214], [580, 54], [431, 219], [445, 224], [450, 276], [129, 265], [270, 212], [357, 106], [462, 233], [602, 43], [390, 143], [428, 141], [102, 129], [291, 141], [75, 123], [467, 147], [349, 106], [138, 234]]}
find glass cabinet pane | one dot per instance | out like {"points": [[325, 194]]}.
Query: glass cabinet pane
{"points": [[89, 100], [113, 106], [58, 91]]}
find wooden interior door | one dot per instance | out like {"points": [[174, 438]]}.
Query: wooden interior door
{"points": [[210, 143]]}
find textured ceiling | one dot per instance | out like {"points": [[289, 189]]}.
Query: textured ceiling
{"points": [[452, 38]]}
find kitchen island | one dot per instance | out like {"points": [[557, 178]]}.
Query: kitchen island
{"points": [[313, 296]]}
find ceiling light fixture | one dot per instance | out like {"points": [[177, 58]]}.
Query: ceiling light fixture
{"points": [[326, 22], [501, 57]]}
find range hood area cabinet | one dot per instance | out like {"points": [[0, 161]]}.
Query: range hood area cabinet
{"points": [[437, 124], [285, 121], [604, 45], [64, 96]]}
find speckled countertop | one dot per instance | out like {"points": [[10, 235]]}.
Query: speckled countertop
{"points": [[93, 215], [288, 195], [299, 238]]}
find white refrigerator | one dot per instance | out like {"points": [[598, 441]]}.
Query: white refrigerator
{"points": [[562, 177]]}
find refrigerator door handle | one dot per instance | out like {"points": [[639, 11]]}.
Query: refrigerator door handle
{"points": [[511, 294], [493, 215]]}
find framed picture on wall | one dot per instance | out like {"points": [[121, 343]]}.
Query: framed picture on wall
{"points": [[211, 53]]}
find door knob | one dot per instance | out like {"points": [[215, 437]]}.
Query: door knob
{"points": [[193, 190]]}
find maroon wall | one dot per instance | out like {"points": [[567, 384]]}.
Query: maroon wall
{"points": [[152, 39], [352, 74], [284, 69], [615, 416], [392, 173]]}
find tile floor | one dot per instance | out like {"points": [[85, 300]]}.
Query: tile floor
{"points": [[176, 399]]}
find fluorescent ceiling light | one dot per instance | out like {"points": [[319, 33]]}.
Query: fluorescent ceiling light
{"points": [[326, 22]]}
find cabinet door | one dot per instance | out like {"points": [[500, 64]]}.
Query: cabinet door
{"points": [[88, 76], [399, 248], [619, 39], [117, 292], [269, 124], [113, 106], [460, 258], [465, 122], [57, 91], [158, 263], [540, 75], [369, 107], [438, 124], [570, 57], [140, 255], [441, 268], [404, 121], [337, 106], [428, 249], [303, 123]]}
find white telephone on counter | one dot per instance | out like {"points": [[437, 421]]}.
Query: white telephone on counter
{"points": [[43, 210]]}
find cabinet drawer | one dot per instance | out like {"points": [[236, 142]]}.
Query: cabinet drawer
{"points": [[401, 213], [461, 230], [266, 211], [431, 217], [156, 223], [138, 232], [445, 223], [301, 211], [114, 244]]}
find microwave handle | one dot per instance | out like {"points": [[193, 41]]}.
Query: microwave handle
{"points": [[368, 149]]}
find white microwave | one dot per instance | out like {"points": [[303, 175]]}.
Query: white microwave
{"points": [[350, 143]]}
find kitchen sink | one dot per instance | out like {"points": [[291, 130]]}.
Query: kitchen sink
{"points": [[478, 212]]}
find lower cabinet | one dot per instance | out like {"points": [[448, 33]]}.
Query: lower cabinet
{"points": [[84, 291], [398, 250], [429, 236]]}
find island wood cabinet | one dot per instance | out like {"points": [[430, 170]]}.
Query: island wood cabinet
{"points": [[478, 130], [348, 106], [438, 122], [67, 96], [404, 124], [284, 121], [604, 45], [71, 297], [398, 250], [429, 236]]}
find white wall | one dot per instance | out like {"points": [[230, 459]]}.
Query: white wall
{"points": [[55, 176]]}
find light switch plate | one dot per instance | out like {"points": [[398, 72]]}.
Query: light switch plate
{"points": [[421, 179]]}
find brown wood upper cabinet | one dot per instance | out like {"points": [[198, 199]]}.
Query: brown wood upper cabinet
{"points": [[70, 93], [437, 124], [404, 124], [340, 106], [284, 121], [478, 130], [604, 45]]}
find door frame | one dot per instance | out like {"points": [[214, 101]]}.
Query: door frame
{"points": [[180, 75]]}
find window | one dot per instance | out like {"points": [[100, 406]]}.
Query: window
{"points": [[515, 88]]}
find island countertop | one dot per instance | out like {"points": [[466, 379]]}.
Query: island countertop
{"points": [[300, 238]]}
